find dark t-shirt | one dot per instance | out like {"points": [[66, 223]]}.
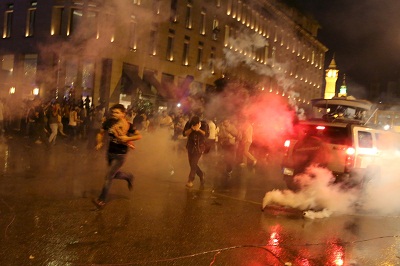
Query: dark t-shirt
{"points": [[115, 146], [196, 142]]}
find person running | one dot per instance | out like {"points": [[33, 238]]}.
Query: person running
{"points": [[121, 135]]}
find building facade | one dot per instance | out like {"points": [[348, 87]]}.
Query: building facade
{"points": [[160, 51]]}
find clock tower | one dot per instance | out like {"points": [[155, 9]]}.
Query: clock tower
{"points": [[331, 76]]}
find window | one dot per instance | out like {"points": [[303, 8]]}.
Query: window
{"points": [[273, 56], [30, 67], [185, 56], [227, 35], [8, 19], [71, 73], [174, 11], [364, 139], [170, 45], [153, 40], [203, 21], [215, 29], [75, 20], [189, 20], [30, 20], [157, 6], [132, 35], [266, 53], [7, 63], [57, 20], [229, 7], [91, 24], [200, 56], [212, 60], [87, 75]]}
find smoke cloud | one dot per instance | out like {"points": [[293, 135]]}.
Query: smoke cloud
{"points": [[319, 197]]}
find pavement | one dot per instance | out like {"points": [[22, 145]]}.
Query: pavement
{"points": [[47, 216]]}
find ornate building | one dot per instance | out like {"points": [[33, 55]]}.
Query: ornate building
{"points": [[157, 50]]}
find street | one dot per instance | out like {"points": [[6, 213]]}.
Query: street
{"points": [[47, 217]]}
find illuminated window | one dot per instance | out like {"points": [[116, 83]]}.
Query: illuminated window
{"points": [[229, 7], [157, 6], [57, 20], [200, 56], [91, 24], [170, 45], [321, 59], [7, 63], [215, 29], [239, 10], [227, 35], [189, 19], [30, 20], [132, 34], [312, 57], [174, 11], [76, 16], [136, 2], [273, 56], [266, 53], [203, 21], [248, 16], [244, 11], [212, 61], [8, 19], [153, 40], [185, 55]]}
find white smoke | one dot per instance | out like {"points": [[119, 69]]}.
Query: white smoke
{"points": [[319, 197], [317, 193], [380, 195]]}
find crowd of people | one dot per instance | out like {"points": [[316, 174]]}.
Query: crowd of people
{"points": [[45, 122]]}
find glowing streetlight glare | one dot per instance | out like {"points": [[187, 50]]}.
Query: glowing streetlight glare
{"points": [[35, 91], [12, 90], [178, 105]]}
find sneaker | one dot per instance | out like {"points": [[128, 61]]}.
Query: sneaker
{"points": [[99, 203], [189, 184], [130, 182]]}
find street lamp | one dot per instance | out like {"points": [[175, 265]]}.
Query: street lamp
{"points": [[12, 90]]}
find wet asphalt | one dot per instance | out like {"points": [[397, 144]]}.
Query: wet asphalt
{"points": [[47, 217]]}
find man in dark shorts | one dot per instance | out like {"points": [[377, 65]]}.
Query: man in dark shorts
{"points": [[121, 136]]}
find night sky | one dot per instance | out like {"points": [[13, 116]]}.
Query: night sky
{"points": [[364, 36]]}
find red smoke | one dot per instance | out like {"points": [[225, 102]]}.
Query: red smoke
{"points": [[272, 117]]}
